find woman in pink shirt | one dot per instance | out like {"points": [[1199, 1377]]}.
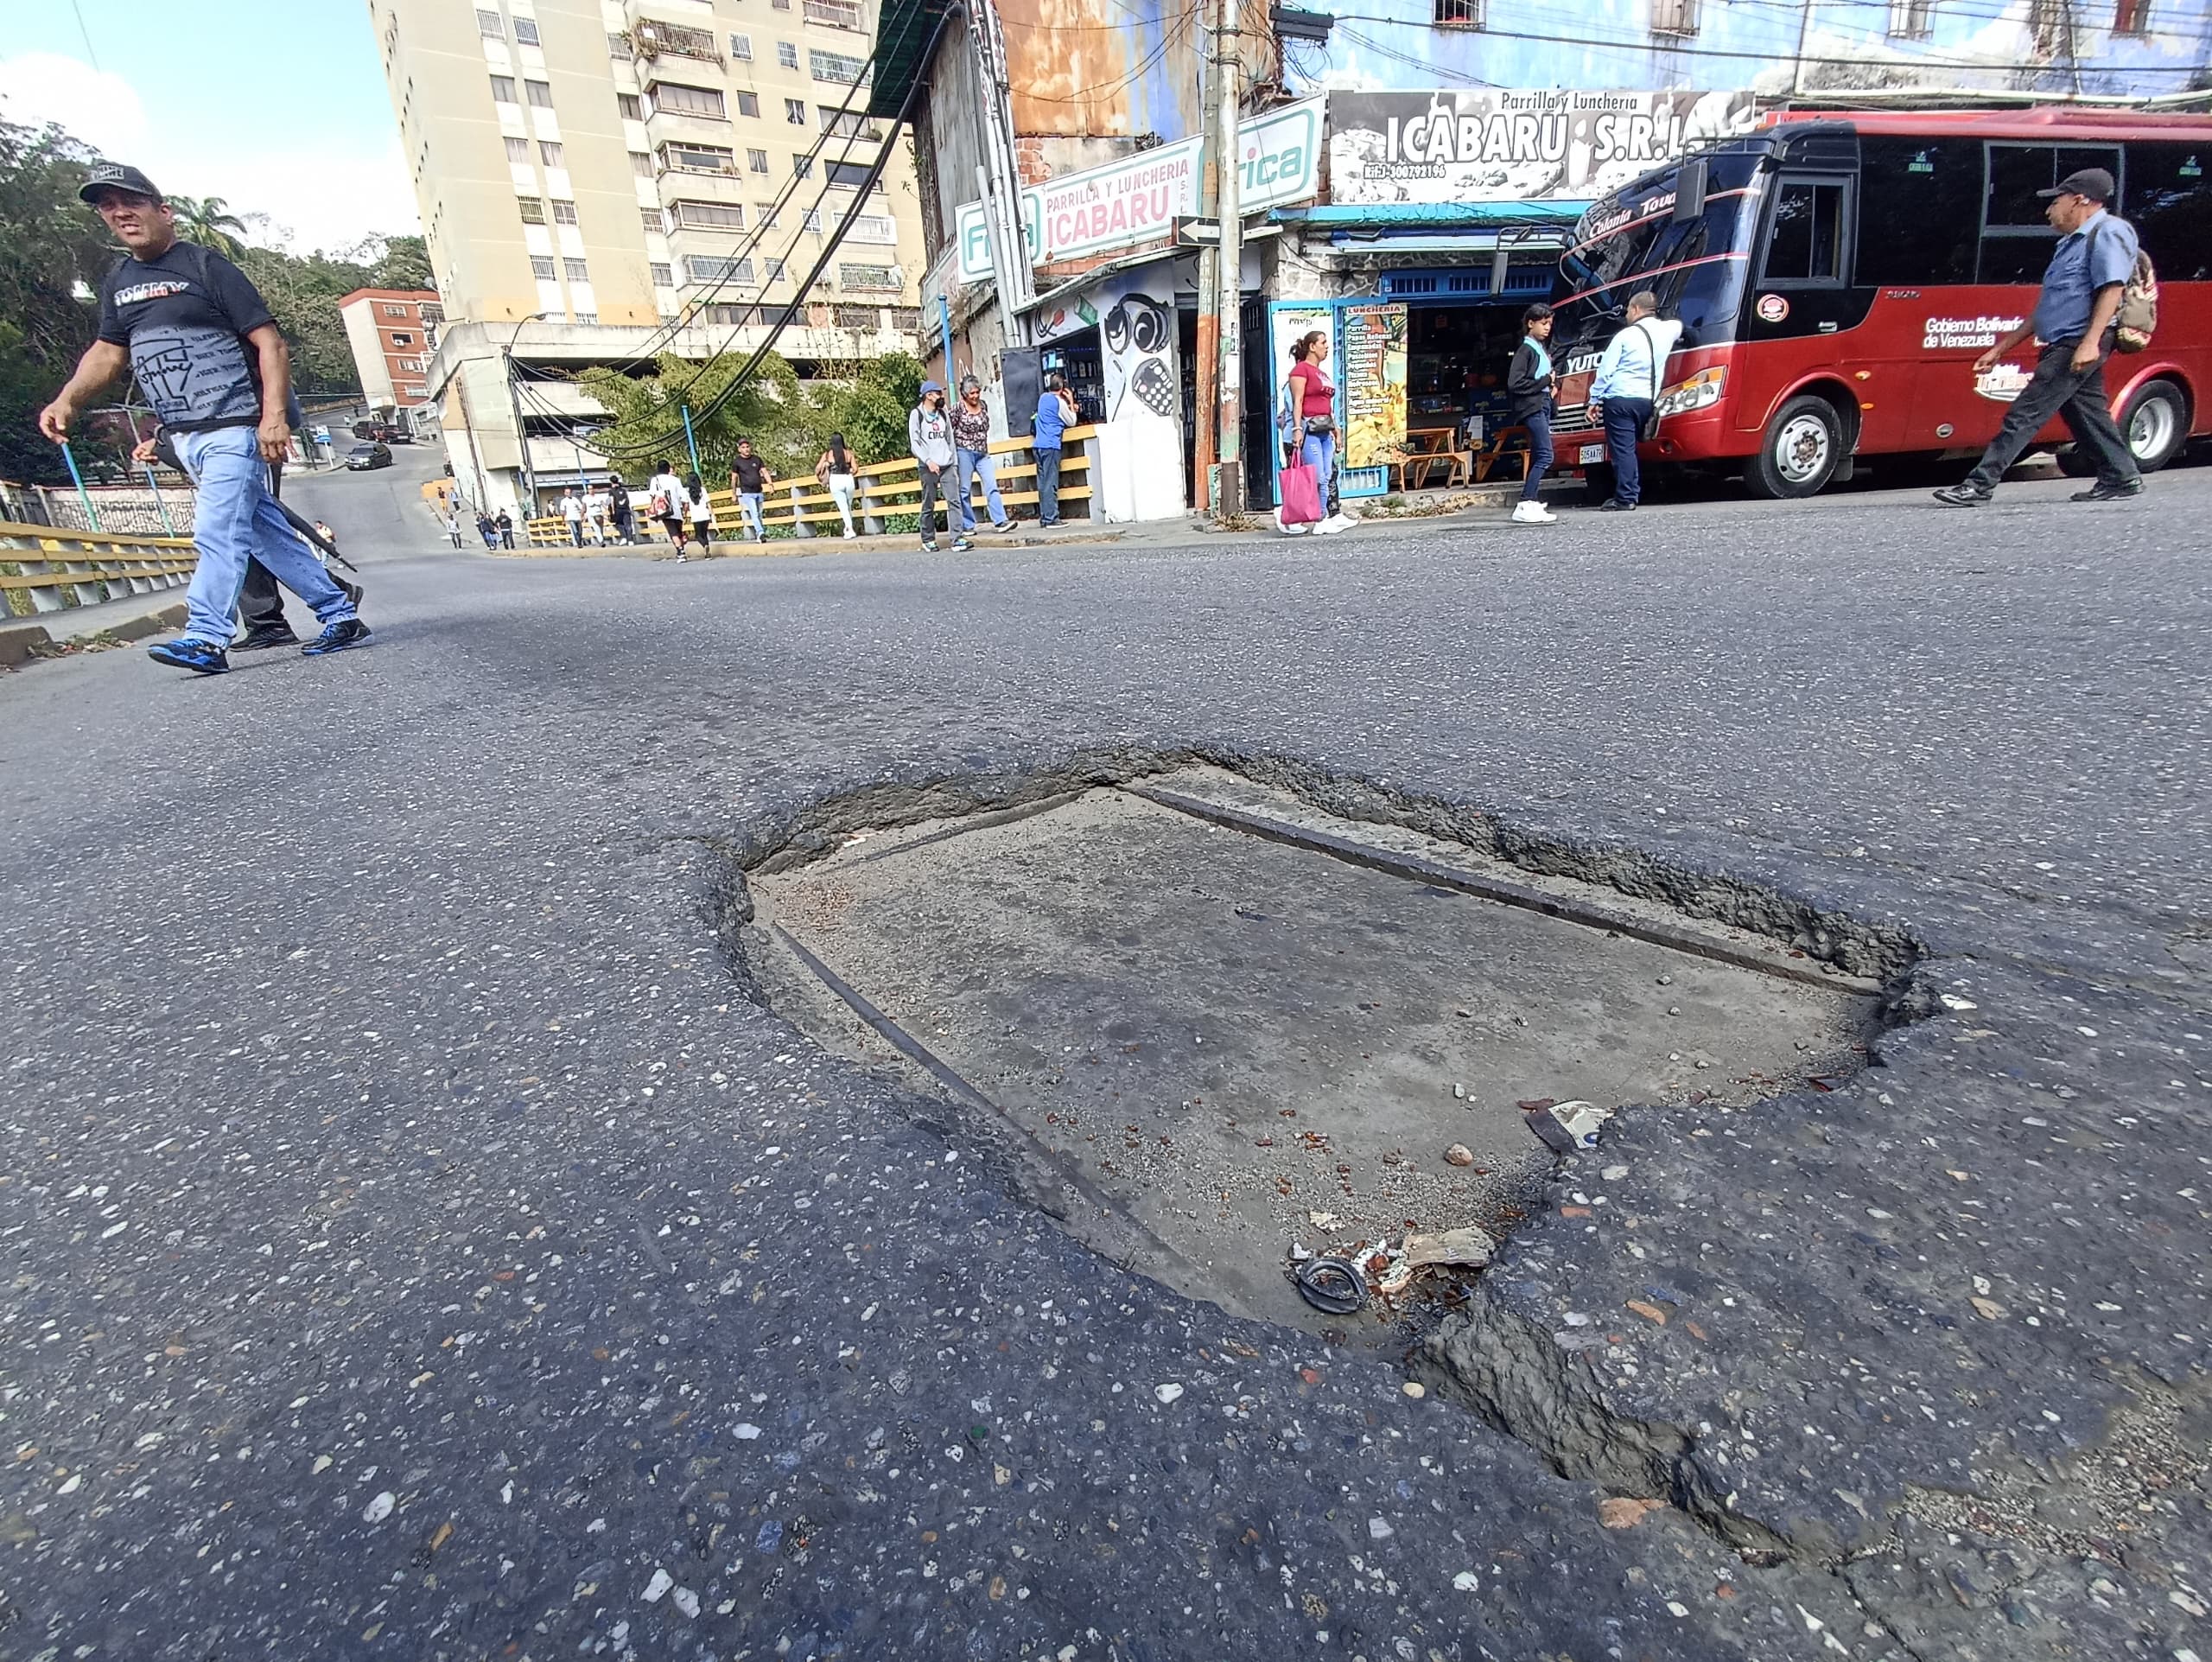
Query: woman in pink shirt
{"points": [[1314, 402]]}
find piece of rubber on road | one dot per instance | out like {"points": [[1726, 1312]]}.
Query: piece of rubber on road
{"points": [[1331, 1284], [885, 1029], [1568, 909]]}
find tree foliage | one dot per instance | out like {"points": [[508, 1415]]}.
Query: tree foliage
{"points": [[209, 221], [788, 420]]}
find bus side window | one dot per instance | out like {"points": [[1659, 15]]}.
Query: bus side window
{"points": [[1806, 244], [2016, 239], [2170, 200], [1919, 211]]}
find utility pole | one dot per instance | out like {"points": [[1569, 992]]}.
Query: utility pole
{"points": [[1228, 479], [1206, 374], [1797, 67], [1000, 175]]}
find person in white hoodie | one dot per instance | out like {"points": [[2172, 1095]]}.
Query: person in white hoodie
{"points": [[670, 505], [928, 437]]}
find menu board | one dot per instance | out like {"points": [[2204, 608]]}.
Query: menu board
{"points": [[1372, 349]]}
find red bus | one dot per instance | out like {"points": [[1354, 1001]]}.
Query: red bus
{"points": [[1836, 276]]}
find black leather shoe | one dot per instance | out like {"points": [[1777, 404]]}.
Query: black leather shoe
{"points": [[1614, 504], [2102, 492], [270, 634]]}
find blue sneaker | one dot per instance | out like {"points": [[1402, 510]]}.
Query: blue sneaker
{"points": [[202, 657], [336, 637]]}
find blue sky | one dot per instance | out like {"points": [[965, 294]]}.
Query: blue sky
{"points": [[279, 109]]}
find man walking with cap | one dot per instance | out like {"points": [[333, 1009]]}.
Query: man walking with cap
{"points": [[216, 369], [2074, 318]]}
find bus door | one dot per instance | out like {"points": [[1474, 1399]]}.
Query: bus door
{"points": [[1803, 313]]}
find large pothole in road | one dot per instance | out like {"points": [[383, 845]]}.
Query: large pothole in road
{"points": [[1231, 1028]]}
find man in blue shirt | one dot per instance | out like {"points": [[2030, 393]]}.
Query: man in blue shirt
{"points": [[1626, 387], [209, 360], [1055, 410], [2082, 290]]}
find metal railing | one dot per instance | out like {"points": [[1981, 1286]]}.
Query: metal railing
{"points": [[47, 569], [881, 492]]}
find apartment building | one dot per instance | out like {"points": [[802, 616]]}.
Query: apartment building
{"points": [[601, 179], [392, 333]]}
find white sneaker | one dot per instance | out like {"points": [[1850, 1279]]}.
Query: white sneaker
{"points": [[851, 535], [1347, 516], [1533, 514], [1328, 527], [1293, 530]]}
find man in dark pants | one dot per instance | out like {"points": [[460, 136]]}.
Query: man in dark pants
{"points": [[261, 603], [2074, 318], [1626, 387]]}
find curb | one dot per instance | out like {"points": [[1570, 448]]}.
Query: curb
{"points": [[22, 641]]}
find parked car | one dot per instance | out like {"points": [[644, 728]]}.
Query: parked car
{"points": [[362, 457], [396, 436]]}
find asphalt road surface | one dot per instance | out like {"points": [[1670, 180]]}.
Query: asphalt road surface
{"points": [[419, 1246]]}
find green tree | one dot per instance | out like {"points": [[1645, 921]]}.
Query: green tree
{"points": [[53, 253], [403, 263], [648, 416], [209, 221]]}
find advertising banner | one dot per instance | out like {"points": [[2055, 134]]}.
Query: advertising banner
{"points": [[1371, 347], [1499, 144], [1138, 198]]}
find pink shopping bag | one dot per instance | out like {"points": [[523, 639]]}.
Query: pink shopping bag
{"points": [[1301, 494]]}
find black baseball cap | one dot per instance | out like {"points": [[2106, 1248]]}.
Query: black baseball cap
{"points": [[115, 175], [2092, 182]]}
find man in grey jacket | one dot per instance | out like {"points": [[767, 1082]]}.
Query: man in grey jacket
{"points": [[928, 437]]}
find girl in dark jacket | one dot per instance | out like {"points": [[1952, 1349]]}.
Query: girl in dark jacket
{"points": [[1529, 384]]}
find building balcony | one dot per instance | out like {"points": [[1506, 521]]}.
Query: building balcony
{"points": [[651, 39], [836, 14]]}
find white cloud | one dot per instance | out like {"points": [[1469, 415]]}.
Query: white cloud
{"points": [[317, 194]]}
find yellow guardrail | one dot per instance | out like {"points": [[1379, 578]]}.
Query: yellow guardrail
{"points": [[50, 568], [880, 490]]}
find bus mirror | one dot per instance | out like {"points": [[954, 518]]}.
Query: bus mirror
{"points": [[1689, 191]]}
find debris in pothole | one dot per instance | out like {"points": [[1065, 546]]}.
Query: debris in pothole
{"points": [[1467, 1246], [1569, 1127], [1625, 1512], [1331, 1284], [1459, 1155]]}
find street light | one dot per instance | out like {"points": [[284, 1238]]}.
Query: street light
{"points": [[514, 408]]}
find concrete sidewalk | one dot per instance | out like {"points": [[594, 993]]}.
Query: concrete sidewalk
{"points": [[135, 617]]}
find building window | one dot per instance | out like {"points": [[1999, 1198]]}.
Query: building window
{"points": [[675, 97], [518, 151], [867, 276], [1909, 19], [740, 47], [503, 88], [540, 267], [811, 221], [795, 112], [1674, 16], [402, 338], [525, 31], [764, 215], [641, 164], [748, 104], [489, 25], [587, 317], [550, 153], [780, 5], [757, 160], [575, 271], [774, 271], [630, 107], [877, 228], [698, 158], [390, 310], [851, 174], [539, 93], [2130, 17], [563, 213], [846, 124], [837, 14], [714, 267], [618, 46], [1461, 14], [787, 54], [840, 67], [802, 167], [533, 210], [650, 219], [729, 216], [412, 365], [663, 273]]}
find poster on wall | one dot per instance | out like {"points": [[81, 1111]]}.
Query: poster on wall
{"points": [[1288, 323], [1501, 144], [1373, 353]]}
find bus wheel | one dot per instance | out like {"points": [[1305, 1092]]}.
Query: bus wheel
{"points": [[1800, 451], [2155, 424]]}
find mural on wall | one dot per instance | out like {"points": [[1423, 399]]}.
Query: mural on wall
{"points": [[1135, 315], [1498, 145]]}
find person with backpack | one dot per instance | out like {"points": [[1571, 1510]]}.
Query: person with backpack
{"points": [[2077, 318], [212, 361], [928, 440], [669, 504], [1529, 384], [701, 513], [1626, 387], [835, 471], [625, 517]]}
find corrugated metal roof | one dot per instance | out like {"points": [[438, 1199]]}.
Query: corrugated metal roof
{"points": [[902, 42]]}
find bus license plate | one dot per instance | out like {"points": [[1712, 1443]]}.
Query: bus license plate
{"points": [[1592, 453]]}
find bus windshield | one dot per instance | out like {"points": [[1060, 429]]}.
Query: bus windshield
{"points": [[1632, 241]]}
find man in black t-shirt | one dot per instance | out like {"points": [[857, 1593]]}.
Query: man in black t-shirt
{"points": [[213, 365], [749, 479]]}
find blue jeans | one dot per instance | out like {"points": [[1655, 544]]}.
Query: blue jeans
{"points": [[969, 463], [1048, 485], [1539, 424], [1623, 422], [748, 505], [1319, 452], [236, 519]]}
